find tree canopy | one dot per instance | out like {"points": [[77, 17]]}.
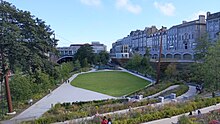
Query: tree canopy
{"points": [[25, 45], [25, 41], [85, 55]]}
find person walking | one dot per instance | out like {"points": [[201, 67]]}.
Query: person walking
{"points": [[104, 120], [190, 113], [199, 112], [109, 121]]}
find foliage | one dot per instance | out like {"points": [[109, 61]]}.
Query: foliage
{"points": [[149, 113], [195, 73], [140, 64], [207, 118], [113, 83], [67, 111], [171, 71], [21, 87], [103, 57], [181, 89], [85, 55], [76, 65], [147, 91], [134, 62], [185, 120], [84, 63], [211, 66], [28, 35], [202, 47], [206, 70], [64, 70]]}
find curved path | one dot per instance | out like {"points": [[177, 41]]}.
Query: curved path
{"points": [[148, 79], [174, 119], [64, 93], [167, 89], [189, 93]]}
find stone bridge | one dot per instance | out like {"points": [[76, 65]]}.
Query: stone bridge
{"points": [[65, 58], [180, 55]]}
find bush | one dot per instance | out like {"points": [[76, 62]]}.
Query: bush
{"points": [[65, 111], [184, 120], [153, 89]]}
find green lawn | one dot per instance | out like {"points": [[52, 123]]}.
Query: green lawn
{"points": [[112, 83]]}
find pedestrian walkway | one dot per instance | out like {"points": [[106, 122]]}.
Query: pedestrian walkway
{"points": [[157, 94], [64, 93], [174, 119], [190, 92], [148, 79]]}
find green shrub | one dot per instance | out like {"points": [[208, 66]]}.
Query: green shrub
{"points": [[184, 120]]}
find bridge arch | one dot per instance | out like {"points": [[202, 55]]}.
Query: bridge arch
{"points": [[169, 56], [64, 59], [177, 56], [163, 56], [155, 56], [187, 56]]}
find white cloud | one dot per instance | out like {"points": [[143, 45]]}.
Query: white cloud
{"points": [[127, 5], [167, 9], [91, 2], [195, 15]]}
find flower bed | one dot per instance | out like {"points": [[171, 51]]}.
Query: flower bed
{"points": [[153, 89], [66, 111], [212, 117], [181, 89], [154, 113]]}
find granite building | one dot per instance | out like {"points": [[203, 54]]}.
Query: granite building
{"points": [[213, 25]]}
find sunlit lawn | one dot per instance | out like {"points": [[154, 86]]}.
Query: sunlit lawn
{"points": [[114, 83]]}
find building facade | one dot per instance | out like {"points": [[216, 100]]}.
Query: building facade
{"points": [[72, 49], [178, 42], [182, 39], [135, 42], [213, 25]]}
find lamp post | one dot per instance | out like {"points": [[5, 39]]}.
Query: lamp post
{"points": [[158, 65]]}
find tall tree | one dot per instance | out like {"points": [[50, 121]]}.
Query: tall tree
{"points": [[85, 52], [202, 46], [104, 57], [211, 66], [171, 71], [25, 40]]}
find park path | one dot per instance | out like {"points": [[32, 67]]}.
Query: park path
{"points": [[157, 94], [148, 79], [191, 92], [174, 119], [64, 93]]}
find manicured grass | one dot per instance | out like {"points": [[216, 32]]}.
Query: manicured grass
{"points": [[114, 83]]}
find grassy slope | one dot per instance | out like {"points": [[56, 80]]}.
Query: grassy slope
{"points": [[113, 83]]}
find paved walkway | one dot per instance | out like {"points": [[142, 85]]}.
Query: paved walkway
{"points": [[174, 119], [148, 79], [157, 94], [189, 93], [64, 93]]}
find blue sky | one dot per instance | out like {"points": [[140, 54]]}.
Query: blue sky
{"points": [[83, 21]]}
